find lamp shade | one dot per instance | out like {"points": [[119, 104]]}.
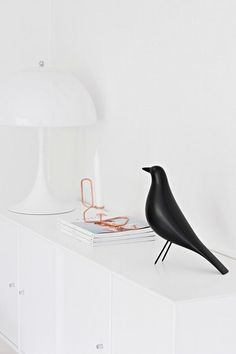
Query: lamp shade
{"points": [[45, 98]]}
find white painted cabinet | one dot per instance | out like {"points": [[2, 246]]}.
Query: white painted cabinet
{"points": [[8, 281], [212, 321], [63, 297], [141, 322], [36, 294], [85, 317]]}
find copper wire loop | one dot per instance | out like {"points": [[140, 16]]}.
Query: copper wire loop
{"points": [[115, 223]]}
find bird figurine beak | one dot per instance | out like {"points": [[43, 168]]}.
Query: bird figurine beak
{"points": [[147, 169]]}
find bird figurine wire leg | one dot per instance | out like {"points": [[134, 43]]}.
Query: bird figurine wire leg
{"points": [[166, 218], [163, 249], [166, 252], [170, 243]]}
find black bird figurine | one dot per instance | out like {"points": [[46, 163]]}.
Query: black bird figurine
{"points": [[167, 220]]}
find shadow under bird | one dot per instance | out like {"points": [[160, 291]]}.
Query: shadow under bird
{"points": [[167, 220]]}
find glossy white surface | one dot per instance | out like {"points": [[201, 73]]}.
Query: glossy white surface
{"points": [[45, 98], [184, 276], [41, 201]]}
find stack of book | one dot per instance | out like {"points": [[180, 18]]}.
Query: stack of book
{"points": [[96, 235]]}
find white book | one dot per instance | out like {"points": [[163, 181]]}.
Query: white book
{"points": [[101, 238], [107, 237], [108, 242], [121, 242], [96, 230]]}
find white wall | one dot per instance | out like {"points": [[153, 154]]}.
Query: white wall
{"points": [[24, 38], [162, 74]]}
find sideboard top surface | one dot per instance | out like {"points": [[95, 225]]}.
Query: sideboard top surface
{"points": [[184, 276]]}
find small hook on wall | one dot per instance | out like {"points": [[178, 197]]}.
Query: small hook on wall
{"points": [[41, 63]]}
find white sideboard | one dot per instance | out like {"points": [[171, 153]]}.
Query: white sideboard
{"points": [[59, 296], [9, 280]]}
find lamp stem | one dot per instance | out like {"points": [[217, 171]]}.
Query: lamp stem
{"points": [[41, 179], [40, 200]]}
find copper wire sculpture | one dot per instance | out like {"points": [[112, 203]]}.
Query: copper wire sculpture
{"points": [[117, 223]]}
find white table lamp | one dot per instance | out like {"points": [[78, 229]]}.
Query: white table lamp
{"points": [[44, 98]]}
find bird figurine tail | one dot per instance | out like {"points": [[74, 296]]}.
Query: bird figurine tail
{"points": [[167, 220]]}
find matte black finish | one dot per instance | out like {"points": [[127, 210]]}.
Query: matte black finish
{"points": [[167, 220]]}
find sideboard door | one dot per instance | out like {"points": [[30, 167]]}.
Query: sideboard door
{"points": [[85, 316], [8, 281], [37, 294], [141, 321]]}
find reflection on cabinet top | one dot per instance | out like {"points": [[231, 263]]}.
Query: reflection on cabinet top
{"points": [[184, 276]]}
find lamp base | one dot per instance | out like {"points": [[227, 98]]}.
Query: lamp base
{"points": [[42, 206], [41, 201]]}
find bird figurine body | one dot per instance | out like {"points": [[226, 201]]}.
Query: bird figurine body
{"points": [[167, 220]]}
